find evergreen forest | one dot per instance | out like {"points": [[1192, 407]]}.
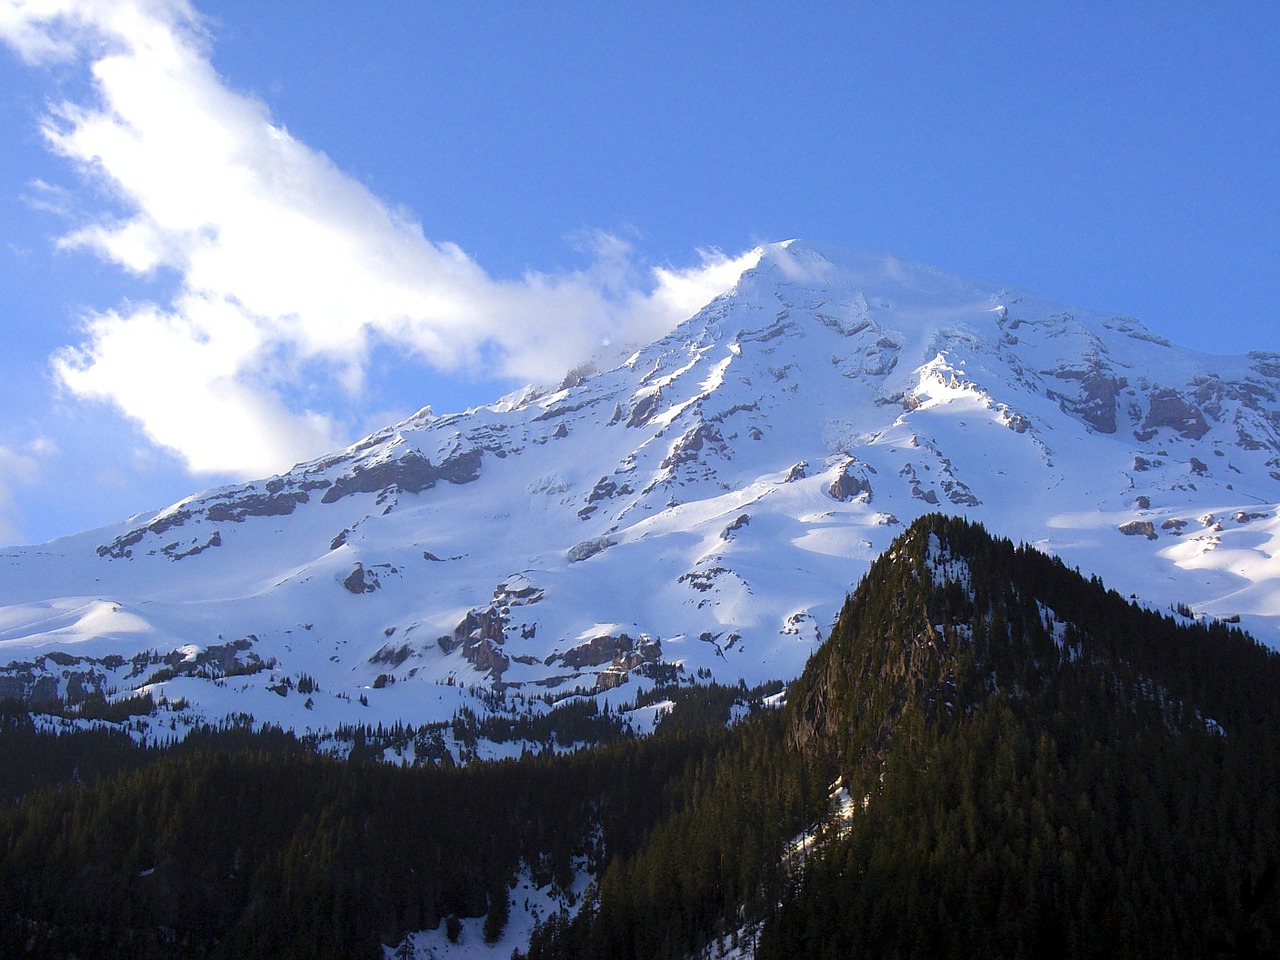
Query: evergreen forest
{"points": [[990, 756]]}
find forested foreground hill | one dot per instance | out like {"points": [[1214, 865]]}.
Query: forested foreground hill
{"points": [[1036, 767], [1045, 769]]}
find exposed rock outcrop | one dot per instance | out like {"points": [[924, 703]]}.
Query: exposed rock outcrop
{"points": [[411, 473], [691, 444], [1139, 528], [622, 651], [588, 548], [644, 409], [739, 522], [851, 484], [175, 551], [257, 505], [797, 472], [1095, 403], [480, 636], [605, 489], [1169, 409], [361, 580]]}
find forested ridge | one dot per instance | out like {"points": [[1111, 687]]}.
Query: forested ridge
{"points": [[1038, 768], [1047, 769]]}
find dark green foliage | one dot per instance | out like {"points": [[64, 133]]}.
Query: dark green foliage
{"points": [[495, 921], [719, 849], [575, 722], [994, 836], [96, 707], [31, 760], [1035, 785], [1039, 768], [246, 844]]}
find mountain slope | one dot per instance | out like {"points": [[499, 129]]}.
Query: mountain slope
{"points": [[693, 512]]}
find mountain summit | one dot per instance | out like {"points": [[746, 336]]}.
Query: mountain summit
{"points": [[698, 511]]}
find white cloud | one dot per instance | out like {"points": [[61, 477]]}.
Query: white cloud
{"points": [[187, 377], [284, 261]]}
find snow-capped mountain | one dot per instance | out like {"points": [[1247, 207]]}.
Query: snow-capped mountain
{"points": [[698, 511]]}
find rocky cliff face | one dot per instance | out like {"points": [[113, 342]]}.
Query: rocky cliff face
{"points": [[699, 510]]}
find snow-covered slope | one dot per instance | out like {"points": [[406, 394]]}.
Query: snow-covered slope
{"points": [[698, 511]]}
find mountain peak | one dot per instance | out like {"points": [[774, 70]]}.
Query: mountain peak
{"points": [[801, 284], [911, 294], [696, 510]]}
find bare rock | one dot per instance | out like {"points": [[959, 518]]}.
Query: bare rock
{"points": [[588, 548], [480, 635], [257, 505], [411, 473], [1095, 403], [1139, 528], [741, 521], [564, 409], [477, 625], [958, 492], [1170, 409], [605, 489], [610, 679], [704, 579], [517, 590], [644, 409], [578, 375], [392, 655], [174, 551], [621, 652], [689, 446], [487, 657], [851, 484], [1017, 423], [361, 580]]}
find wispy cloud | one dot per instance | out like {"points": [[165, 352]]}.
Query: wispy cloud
{"points": [[288, 268], [47, 197]]}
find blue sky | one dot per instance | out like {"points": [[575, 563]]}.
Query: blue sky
{"points": [[237, 234]]}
